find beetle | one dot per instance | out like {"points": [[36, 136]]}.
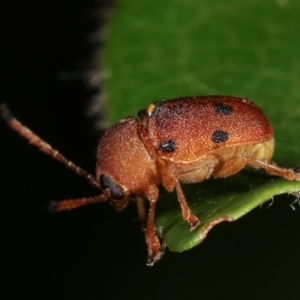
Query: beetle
{"points": [[184, 140]]}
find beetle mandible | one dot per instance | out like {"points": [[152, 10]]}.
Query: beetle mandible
{"points": [[184, 140]]}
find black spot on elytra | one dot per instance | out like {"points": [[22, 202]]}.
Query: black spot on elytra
{"points": [[223, 109], [107, 183], [219, 136], [167, 146]]}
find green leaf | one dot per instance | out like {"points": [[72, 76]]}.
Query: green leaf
{"points": [[167, 49], [216, 209]]}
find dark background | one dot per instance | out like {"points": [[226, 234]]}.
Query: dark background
{"points": [[95, 252]]}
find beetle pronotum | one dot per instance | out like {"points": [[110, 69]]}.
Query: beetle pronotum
{"points": [[171, 142]]}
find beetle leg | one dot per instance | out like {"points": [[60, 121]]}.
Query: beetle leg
{"points": [[271, 169], [186, 211], [154, 247], [142, 212], [158, 231]]}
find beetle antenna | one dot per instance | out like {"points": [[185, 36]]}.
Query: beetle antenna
{"points": [[56, 206], [43, 146]]}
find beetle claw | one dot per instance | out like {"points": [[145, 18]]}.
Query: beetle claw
{"points": [[156, 247], [194, 222], [152, 259]]}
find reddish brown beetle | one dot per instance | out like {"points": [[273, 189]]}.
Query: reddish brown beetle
{"points": [[184, 140]]}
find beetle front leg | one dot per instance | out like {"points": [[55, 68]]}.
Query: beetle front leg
{"points": [[155, 250], [140, 203], [186, 211], [288, 174]]}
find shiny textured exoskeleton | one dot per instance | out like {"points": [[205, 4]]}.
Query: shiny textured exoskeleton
{"points": [[184, 140]]}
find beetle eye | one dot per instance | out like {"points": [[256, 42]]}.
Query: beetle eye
{"points": [[107, 183]]}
